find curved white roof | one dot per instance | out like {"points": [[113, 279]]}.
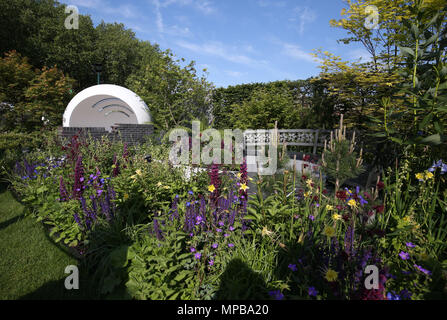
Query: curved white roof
{"points": [[105, 105]]}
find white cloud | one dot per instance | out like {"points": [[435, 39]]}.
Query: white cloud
{"points": [[296, 52], [217, 49], [103, 6], [302, 17], [234, 74]]}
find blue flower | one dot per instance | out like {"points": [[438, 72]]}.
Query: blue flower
{"points": [[427, 272], [438, 164], [188, 204], [215, 245], [190, 192], [292, 267], [276, 294], [392, 296], [312, 292], [404, 255]]}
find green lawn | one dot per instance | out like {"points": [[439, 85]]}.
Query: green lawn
{"points": [[31, 265]]}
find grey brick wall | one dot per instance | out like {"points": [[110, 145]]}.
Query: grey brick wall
{"points": [[129, 133]]}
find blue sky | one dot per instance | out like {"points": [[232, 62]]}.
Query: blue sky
{"points": [[237, 41]]}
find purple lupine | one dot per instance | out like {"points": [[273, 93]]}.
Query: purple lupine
{"points": [[62, 190], [78, 182], [244, 177], [116, 167], [215, 181], [349, 241]]}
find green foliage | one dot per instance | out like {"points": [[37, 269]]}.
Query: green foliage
{"points": [[175, 95], [339, 159], [300, 97], [159, 270]]}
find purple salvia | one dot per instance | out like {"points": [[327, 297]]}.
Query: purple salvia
{"points": [[157, 230]]}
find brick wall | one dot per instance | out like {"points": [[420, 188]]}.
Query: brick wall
{"points": [[129, 133]]}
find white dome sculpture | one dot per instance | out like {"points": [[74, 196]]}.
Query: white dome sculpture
{"points": [[104, 105]]}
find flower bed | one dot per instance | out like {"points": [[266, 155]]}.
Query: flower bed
{"points": [[147, 231]]}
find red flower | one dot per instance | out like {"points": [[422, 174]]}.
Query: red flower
{"points": [[380, 185], [341, 194], [304, 177], [379, 209], [325, 191]]}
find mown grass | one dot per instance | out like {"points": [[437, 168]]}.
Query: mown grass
{"points": [[31, 265]]}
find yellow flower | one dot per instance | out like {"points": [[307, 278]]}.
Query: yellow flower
{"points": [[329, 231], [166, 187], [138, 172], [265, 232], [211, 188], [428, 175], [244, 187], [159, 184], [329, 207], [306, 194], [420, 176], [336, 216], [331, 275], [309, 183], [352, 203], [239, 175], [126, 196]]}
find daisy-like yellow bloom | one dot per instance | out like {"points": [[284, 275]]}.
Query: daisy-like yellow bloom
{"points": [[420, 176], [331, 275], [239, 175], [159, 184], [329, 207], [309, 183], [244, 187], [329, 231], [352, 203], [336, 216], [428, 175], [138, 172], [211, 188], [306, 194]]}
